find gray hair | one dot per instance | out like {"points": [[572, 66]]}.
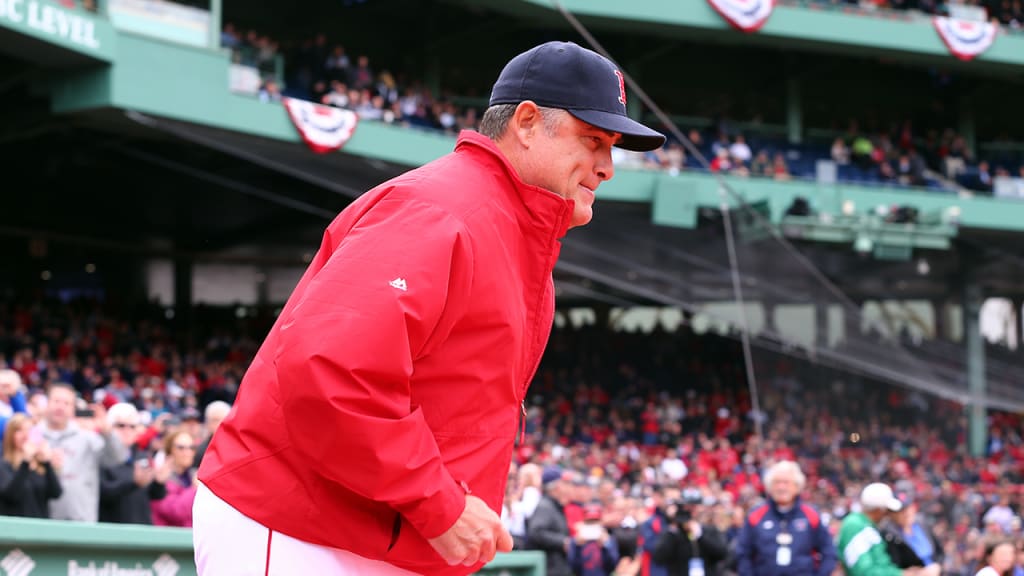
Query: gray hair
{"points": [[496, 118], [120, 411], [8, 376], [216, 406], [782, 467]]}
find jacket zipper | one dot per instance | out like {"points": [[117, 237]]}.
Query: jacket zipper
{"points": [[521, 433]]}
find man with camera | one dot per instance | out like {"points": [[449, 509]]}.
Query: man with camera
{"points": [[785, 536], [686, 547]]}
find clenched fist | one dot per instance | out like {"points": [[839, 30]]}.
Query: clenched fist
{"points": [[475, 537]]}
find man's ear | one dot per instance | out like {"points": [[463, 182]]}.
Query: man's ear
{"points": [[526, 122]]}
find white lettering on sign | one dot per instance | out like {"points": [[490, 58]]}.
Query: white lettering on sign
{"points": [[51, 20], [106, 569], [13, 10]]}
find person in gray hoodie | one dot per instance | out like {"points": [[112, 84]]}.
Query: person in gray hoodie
{"points": [[81, 453]]}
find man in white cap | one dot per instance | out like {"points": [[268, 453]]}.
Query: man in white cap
{"points": [[861, 547]]}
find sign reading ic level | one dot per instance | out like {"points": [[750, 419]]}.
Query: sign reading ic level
{"points": [[51, 20]]}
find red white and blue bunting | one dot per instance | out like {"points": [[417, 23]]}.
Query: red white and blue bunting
{"points": [[323, 128], [745, 15], [965, 38]]}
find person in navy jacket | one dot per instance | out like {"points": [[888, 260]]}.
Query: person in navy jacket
{"points": [[785, 536]]}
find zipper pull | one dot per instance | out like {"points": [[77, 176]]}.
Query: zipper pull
{"points": [[521, 433]]}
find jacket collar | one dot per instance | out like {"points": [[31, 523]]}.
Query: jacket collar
{"points": [[546, 208]]}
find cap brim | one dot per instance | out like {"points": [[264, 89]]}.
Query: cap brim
{"points": [[895, 505], [635, 136]]}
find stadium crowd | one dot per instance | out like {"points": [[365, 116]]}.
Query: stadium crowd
{"points": [[620, 427], [1009, 13], [898, 155]]}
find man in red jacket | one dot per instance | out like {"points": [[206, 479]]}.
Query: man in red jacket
{"points": [[372, 433]]}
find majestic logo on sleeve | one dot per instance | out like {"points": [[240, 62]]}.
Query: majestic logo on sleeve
{"points": [[622, 87]]}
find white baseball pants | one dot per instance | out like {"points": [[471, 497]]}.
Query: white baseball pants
{"points": [[228, 543]]}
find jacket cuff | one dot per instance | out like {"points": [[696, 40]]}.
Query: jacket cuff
{"points": [[433, 516]]}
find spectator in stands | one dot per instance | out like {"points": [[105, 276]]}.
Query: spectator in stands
{"points": [[898, 532], [654, 526], [592, 552], [430, 502], [28, 480], [983, 181], [861, 547], [687, 547], [83, 452], [740, 151], [840, 152], [862, 152], [337, 66], [722, 162], [998, 558], [761, 165], [780, 169], [12, 397], [175, 509], [956, 158], [127, 489], [270, 91], [548, 529], [785, 535], [528, 492], [910, 169], [213, 416], [337, 96]]}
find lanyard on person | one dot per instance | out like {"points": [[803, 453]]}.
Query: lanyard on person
{"points": [[784, 553]]}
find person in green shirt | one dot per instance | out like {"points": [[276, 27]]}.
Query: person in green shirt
{"points": [[862, 549]]}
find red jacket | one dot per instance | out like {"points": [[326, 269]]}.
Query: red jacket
{"points": [[397, 369]]}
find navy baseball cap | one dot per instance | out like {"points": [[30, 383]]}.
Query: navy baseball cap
{"points": [[582, 82]]}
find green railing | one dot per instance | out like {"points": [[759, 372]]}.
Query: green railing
{"points": [[33, 547]]}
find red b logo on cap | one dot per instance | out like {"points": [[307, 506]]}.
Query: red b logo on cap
{"points": [[622, 87]]}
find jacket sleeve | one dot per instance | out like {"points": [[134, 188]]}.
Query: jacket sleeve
{"points": [[53, 488], [713, 546], [176, 507], [745, 550], [667, 548], [115, 482], [543, 532], [388, 293], [648, 536], [13, 481], [865, 555], [112, 452], [610, 555], [157, 490], [826, 548], [18, 403]]}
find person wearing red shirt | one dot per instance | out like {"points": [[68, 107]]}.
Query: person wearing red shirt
{"points": [[373, 432]]}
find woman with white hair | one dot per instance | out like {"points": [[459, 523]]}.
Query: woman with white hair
{"points": [[126, 489], [785, 535]]}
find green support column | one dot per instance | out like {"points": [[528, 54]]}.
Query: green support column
{"points": [[977, 417], [216, 13], [794, 110]]}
